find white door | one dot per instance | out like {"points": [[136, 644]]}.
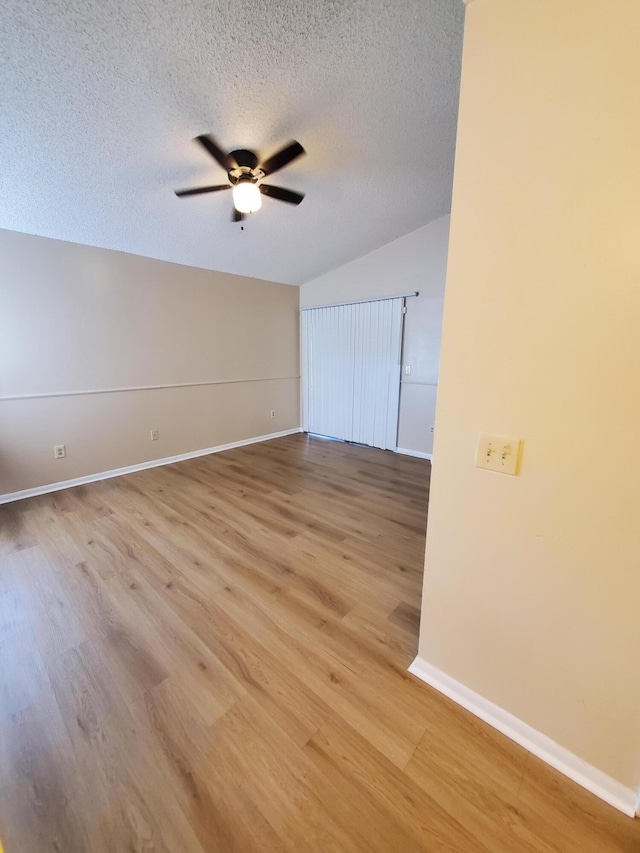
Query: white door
{"points": [[351, 371]]}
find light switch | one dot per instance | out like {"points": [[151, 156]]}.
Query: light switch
{"points": [[407, 370], [498, 453]]}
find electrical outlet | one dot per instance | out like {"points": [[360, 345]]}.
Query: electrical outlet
{"points": [[59, 451], [273, 413], [431, 429], [154, 435], [407, 370]]}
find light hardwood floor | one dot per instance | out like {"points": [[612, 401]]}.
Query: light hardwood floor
{"points": [[212, 656]]}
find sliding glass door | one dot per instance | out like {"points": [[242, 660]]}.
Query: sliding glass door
{"points": [[351, 371]]}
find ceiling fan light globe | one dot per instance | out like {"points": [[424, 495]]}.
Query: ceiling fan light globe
{"points": [[246, 197]]}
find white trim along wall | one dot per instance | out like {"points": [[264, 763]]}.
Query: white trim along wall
{"points": [[589, 777], [44, 395], [142, 466]]}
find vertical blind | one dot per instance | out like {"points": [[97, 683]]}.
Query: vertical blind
{"points": [[351, 371]]}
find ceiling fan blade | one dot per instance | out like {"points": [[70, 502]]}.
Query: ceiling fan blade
{"points": [[209, 144], [290, 196], [282, 157], [199, 190], [236, 216]]}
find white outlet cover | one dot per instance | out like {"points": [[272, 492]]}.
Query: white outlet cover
{"points": [[498, 453]]}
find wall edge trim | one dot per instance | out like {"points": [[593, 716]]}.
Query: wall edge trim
{"points": [[586, 775], [418, 453], [10, 497], [46, 394]]}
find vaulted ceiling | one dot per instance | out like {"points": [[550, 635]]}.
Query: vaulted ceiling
{"points": [[101, 99]]}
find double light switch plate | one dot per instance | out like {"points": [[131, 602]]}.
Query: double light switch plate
{"points": [[498, 453]]}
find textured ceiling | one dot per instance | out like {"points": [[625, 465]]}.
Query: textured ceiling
{"points": [[101, 98]]}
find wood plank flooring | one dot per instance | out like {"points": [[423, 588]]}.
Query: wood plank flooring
{"points": [[211, 656]]}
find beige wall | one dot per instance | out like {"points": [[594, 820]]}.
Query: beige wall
{"points": [[75, 318], [416, 261], [532, 583]]}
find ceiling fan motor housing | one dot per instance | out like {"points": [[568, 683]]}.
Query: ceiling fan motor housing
{"points": [[247, 168], [245, 158]]}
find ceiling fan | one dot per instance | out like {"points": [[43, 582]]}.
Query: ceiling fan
{"points": [[245, 174]]}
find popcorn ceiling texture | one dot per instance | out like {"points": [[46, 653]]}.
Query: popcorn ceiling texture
{"points": [[101, 98]]}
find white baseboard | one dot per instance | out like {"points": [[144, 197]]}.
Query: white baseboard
{"points": [[130, 469], [625, 799], [418, 453]]}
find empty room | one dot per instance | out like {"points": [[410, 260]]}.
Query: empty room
{"points": [[318, 404]]}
